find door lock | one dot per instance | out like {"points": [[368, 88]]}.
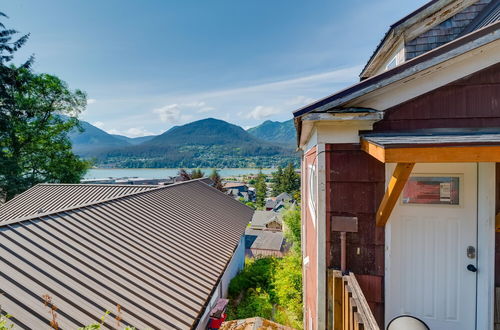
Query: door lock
{"points": [[471, 268], [471, 252]]}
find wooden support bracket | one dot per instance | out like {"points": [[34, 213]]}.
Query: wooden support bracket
{"points": [[394, 189]]}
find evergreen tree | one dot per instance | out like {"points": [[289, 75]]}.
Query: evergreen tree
{"points": [[260, 190], [277, 182], [37, 111], [215, 177], [197, 174], [290, 181], [184, 175]]}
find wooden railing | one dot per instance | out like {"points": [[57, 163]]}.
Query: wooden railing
{"points": [[347, 306]]}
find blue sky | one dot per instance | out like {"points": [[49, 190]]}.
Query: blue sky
{"points": [[149, 65]]}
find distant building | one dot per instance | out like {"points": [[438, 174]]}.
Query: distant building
{"points": [[239, 190], [260, 243], [278, 202], [165, 254], [267, 220], [264, 236]]}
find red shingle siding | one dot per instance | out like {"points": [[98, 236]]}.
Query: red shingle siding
{"points": [[310, 248], [473, 101], [355, 186]]}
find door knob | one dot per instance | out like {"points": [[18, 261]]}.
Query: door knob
{"points": [[471, 268]]}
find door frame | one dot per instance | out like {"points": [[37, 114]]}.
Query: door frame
{"points": [[486, 245], [485, 282]]}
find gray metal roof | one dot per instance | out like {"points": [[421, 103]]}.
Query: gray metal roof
{"points": [[46, 197], [261, 218], [158, 253], [456, 138], [268, 240]]}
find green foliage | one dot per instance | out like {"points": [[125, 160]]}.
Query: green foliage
{"points": [[255, 302], [260, 189], [8, 46], [33, 135], [4, 322], [34, 143], [256, 274], [251, 204], [215, 177], [277, 182], [200, 144], [100, 325], [291, 219], [197, 174], [287, 283], [276, 132], [286, 180], [271, 287]]}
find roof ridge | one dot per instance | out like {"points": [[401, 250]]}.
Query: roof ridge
{"points": [[81, 206], [97, 184]]}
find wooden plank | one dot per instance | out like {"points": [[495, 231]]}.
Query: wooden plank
{"points": [[437, 154], [394, 189], [330, 299], [368, 319], [346, 308], [337, 298]]}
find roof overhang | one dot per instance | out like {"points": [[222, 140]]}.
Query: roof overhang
{"points": [[433, 148], [339, 116], [407, 149]]}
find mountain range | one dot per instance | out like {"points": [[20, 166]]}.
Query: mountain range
{"points": [[203, 143]]}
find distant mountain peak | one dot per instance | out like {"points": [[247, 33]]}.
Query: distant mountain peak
{"points": [[275, 131]]}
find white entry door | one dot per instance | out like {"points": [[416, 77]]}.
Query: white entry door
{"points": [[431, 247]]}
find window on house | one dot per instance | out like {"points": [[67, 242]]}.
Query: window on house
{"points": [[312, 187], [392, 63]]}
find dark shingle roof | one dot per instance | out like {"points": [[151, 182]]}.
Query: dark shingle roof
{"points": [[489, 15], [149, 252]]}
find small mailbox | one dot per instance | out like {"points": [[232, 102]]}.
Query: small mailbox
{"points": [[345, 224]]}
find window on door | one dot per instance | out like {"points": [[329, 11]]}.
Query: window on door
{"points": [[432, 190]]}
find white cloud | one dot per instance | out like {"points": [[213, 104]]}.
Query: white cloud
{"points": [[172, 114], [205, 109], [91, 101], [244, 106], [194, 104], [300, 101], [132, 132], [340, 76], [260, 112], [98, 124]]}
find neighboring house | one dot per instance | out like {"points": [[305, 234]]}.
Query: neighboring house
{"points": [[145, 248], [239, 190], [267, 220], [264, 243], [424, 122], [278, 202]]}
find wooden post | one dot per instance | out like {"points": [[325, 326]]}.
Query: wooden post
{"points": [[330, 299], [337, 298], [343, 252], [394, 189]]}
